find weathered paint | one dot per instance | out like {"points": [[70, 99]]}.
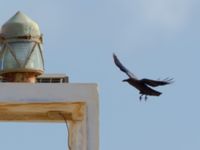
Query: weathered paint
{"points": [[49, 111], [83, 117]]}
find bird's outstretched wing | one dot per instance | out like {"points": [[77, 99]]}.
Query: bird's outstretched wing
{"points": [[155, 83], [122, 68]]}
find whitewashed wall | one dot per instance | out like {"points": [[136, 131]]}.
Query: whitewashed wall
{"points": [[84, 134]]}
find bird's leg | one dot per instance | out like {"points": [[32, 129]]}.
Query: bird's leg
{"points": [[145, 98], [141, 97]]}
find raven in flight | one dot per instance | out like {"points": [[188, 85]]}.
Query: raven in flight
{"points": [[143, 85]]}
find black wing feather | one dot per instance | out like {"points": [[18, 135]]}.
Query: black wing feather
{"points": [[123, 68], [155, 83]]}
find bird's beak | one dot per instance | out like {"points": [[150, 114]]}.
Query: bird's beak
{"points": [[125, 80]]}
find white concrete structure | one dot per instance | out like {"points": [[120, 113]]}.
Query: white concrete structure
{"points": [[21, 60], [43, 102]]}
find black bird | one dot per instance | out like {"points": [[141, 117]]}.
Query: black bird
{"points": [[141, 84]]}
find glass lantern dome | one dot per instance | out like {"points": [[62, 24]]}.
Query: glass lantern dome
{"points": [[21, 46]]}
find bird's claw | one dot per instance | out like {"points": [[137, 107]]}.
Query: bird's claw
{"points": [[145, 98], [140, 97]]}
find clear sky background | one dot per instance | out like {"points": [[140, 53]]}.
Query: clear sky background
{"points": [[153, 38]]}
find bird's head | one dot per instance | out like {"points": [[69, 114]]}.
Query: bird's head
{"points": [[125, 80]]}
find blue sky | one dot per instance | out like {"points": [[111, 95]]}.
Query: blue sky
{"points": [[153, 38]]}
